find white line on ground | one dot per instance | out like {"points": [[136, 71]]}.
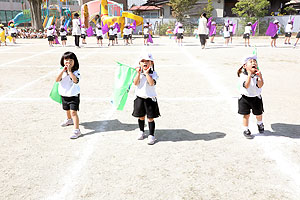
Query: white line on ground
{"points": [[70, 181], [287, 167]]}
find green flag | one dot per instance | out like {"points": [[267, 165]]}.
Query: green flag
{"points": [[123, 81], [255, 53], [54, 95]]}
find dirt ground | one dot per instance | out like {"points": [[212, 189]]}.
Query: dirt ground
{"points": [[201, 152]]}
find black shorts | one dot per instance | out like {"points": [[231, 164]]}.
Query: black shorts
{"points": [[63, 37], [99, 38], [14, 35], [71, 103], [50, 38], [111, 37], [275, 36], [83, 36], [144, 107], [130, 36], [179, 35], [213, 35], [146, 36], [116, 36], [250, 103], [246, 36], [298, 35], [125, 37], [288, 34]]}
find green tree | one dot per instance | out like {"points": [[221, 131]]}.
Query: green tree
{"points": [[180, 7], [290, 10], [36, 13], [208, 9], [251, 10]]}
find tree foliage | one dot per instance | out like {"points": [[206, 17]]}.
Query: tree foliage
{"points": [[180, 7], [209, 8], [290, 10], [36, 13], [251, 10]]}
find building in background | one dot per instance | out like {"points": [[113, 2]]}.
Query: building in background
{"points": [[124, 2]]}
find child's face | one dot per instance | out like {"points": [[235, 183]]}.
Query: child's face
{"points": [[69, 62], [145, 64], [251, 65]]}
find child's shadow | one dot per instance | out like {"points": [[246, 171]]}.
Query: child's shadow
{"points": [[107, 126], [177, 135], [284, 130], [174, 135]]}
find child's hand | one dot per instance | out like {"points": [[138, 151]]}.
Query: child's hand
{"points": [[138, 69], [258, 73], [147, 71]]}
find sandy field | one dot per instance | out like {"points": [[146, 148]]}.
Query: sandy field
{"points": [[201, 153]]}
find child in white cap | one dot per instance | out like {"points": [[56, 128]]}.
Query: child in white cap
{"points": [[126, 35], [251, 82], [99, 34], [273, 41], [247, 33], [63, 36], [146, 34], [50, 35], [111, 36], [83, 34], [146, 101], [231, 30], [226, 33], [288, 32]]}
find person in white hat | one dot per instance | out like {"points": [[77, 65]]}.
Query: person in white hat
{"points": [[231, 30], [111, 36], [251, 83], [288, 32], [50, 35], [146, 34], [126, 34], [146, 97], [99, 34], [63, 36], [226, 33], [247, 33], [274, 38], [13, 32]]}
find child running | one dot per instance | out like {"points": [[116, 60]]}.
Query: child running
{"points": [[2, 29], [50, 35], [226, 34], [63, 36], [180, 35], [274, 38], [146, 34], [288, 32], [126, 35], [99, 34], [231, 30], [146, 101], [69, 90], [247, 32], [13, 33], [251, 83], [111, 36], [297, 37]]}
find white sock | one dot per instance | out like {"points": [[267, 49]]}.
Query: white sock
{"points": [[246, 128], [259, 122]]}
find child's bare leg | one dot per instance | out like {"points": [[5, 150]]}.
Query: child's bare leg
{"points": [[75, 118], [68, 114], [246, 121], [259, 118]]}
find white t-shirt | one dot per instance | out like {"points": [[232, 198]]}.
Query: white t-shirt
{"points": [[64, 33], [111, 32], [247, 29], [180, 30], [13, 30], [253, 90], [143, 89], [83, 31], [76, 27], [115, 31], [146, 31], [126, 31], [230, 29], [99, 32], [288, 28], [226, 32], [202, 26], [130, 31], [49, 32], [67, 87]]}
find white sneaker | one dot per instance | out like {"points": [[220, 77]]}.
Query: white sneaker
{"points": [[76, 134], [151, 140], [141, 135], [67, 122]]}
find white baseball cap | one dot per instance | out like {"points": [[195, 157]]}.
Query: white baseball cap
{"points": [[276, 21], [146, 56], [250, 57]]}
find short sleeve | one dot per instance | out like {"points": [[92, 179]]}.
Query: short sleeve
{"points": [[242, 80], [154, 76], [77, 74]]}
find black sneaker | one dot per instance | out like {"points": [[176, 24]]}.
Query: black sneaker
{"points": [[247, 134], [261, 128]]}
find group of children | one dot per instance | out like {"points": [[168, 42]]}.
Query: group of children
{"points": [[145, 103], [11, 31]]}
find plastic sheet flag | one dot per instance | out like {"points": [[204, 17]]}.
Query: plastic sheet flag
{"points": [[150, 39], [90, 31], [212, 30], [2, 36], [123, 81], [254, 27], [10, 38], [105, 28], [272, 30], [54, 95]]}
